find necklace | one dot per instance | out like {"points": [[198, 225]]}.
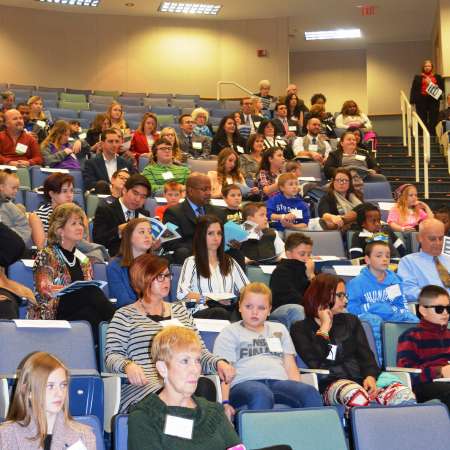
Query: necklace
{"points": [[141, 301], [70, 264]]}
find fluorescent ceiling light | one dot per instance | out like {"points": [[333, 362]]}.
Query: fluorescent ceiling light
{"points": [[189, 8], [333, 34], [72, 2]]}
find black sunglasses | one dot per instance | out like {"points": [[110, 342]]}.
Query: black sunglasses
{"points": [[439, 309]]}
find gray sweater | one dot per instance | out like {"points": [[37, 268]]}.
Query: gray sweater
{"points": [[15, 219]]}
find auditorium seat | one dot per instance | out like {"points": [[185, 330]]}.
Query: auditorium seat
{"points": [[39, 174], [105, 99], [76, 106], [99, 107], [380, 190], [401, 427], [130, 101], [135, 109], [133, 116], [202, 165], [233, 105], [47, 95], [165, 120], [121, 432], [210, 104], [34, 199], [155, 101], [306, 428], [73, 98], [194, 97], [51, 89], [89, 115], [220, 113], [63, 112], [327, 243], [165, 110], [166, 96], [182, 103], [143, 163], [110, 94], [94, 423], [134, 94], [23, 87], [84, 92]]}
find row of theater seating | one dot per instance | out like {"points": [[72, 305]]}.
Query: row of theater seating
{"points": [[92, 394]]}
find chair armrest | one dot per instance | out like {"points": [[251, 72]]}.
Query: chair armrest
{"points": [[112, 389], [317, 371], [403, 369], [112, 374], [441, 380]]}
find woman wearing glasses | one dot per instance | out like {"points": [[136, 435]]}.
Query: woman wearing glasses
{"points": [[331, 339], [133, 327], [348, 155], [336, 207]]}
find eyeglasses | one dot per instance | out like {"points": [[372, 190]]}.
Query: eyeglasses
{"points": [[163, 276], [439, 309], [341, 295], [342, 180]]}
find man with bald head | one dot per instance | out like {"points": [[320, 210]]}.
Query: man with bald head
{"points": [[17, 147], [428, 266], [185, 214]]}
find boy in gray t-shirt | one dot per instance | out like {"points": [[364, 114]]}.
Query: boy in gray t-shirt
{"points": [[263, 355]]}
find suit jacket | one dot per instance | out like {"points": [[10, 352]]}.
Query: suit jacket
{"points": [[279, 127], [184, 217], [254, 118], [15, 437], [416, 88], [107, 219], [187, 148], [219, 144], [95, 170]]}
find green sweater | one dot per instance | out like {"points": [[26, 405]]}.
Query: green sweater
{"points": [[212, 429], [154, 174]]}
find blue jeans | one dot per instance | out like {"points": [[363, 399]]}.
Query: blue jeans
{"points": [[263, 394], [287, 314]]}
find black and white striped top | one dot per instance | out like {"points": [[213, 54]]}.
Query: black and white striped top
{"points": [[191, 281], [129, 337], [44, 212]]}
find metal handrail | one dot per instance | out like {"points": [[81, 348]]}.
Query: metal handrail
{"points": [[242, 88], [426, 142], [411, 123], [406, 109]]}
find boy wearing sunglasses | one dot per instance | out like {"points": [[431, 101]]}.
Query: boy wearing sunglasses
{"points": [[427, 346]]}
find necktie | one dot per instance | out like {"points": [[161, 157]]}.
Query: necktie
{"points": [[129, 215], [190, 140], [314, 141], [247, 119], [286, 126], [200, 211], [442, 271]]}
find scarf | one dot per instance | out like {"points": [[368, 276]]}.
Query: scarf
{"points": [[345, 205]]}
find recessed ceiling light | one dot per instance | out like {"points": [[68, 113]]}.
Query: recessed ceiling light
{"points": [[72, 2], [333, 34], [189, 8]]}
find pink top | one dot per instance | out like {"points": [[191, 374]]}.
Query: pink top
{"points": [[411, 221]]}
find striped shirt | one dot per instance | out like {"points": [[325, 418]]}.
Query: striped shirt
{"points": [[425, 347], [44, 212], [191, 281], [158, 174], [129, 337]]}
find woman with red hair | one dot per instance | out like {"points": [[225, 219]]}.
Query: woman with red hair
{"points": [[330, 338]]}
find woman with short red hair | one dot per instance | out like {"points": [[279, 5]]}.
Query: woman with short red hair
{"points": [[330, 338]]}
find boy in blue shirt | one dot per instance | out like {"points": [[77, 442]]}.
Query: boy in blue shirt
{"points": [[287, 210], [376, 294]]}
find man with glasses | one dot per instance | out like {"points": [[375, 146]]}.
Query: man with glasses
{"points": [[185, 214], [196, 146], [427, 346], [163, 169], [429, 265], [110, 219]]}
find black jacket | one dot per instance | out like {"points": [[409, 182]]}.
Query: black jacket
{"points": [[288, 283], [416, 96], [183, 216], [334, 161], [107, 219], [279, 127], [219, 143], [354, 358], [95, 170]]}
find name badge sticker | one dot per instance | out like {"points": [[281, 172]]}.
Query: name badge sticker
{"points": [[393, 291], [239, 149], [77, 446], [292, 128], [80, 255], [197, 145], [21, 149], [178, 427], [333, 350], [168, 175], [313, 147], [274, 345], [41, 123], [360, 157]]}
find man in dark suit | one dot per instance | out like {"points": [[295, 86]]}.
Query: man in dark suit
{"points": [[110, 219], [247, 118], [185, 214], [102, 167], [197, 146], [285, 127]]}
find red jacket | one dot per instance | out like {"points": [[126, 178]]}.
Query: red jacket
{"points": [[139, 144], [8, 149]]}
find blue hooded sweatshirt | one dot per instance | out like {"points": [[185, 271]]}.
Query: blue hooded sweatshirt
{"points": [[378, 301]]}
